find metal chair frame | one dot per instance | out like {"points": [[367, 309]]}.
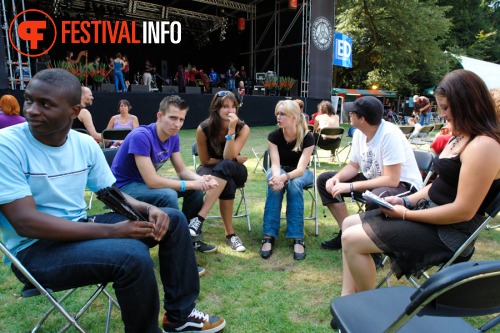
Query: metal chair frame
{"points": [[491, 212], [334, 148], [56, 304], [113, 134], [243, 199], [463, 290]]}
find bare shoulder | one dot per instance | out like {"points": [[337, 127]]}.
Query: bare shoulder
{"points": [[486, 143]]}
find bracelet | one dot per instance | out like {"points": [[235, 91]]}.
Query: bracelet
{"points": [[229, 137], [406, 202], [147, 209], [183, 186], [352, 192], [404, 214], [287, 177]]}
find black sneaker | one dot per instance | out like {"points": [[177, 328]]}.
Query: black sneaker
{"points": [[201, 271], [195, 226], [235, 243], [204, 247], [196, 322], [333, 244]]}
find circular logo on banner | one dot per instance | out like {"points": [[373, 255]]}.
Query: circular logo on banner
{"points": [[322, 33], [35, 28]]}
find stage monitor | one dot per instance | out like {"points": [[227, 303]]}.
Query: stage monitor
{"points": [[170, 89]]}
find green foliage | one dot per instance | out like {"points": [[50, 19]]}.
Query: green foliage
{"points": [[396, 43]]}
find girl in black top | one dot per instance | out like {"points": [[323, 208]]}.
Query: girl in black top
{"points": [[468, 179], [290, 149], [220, 139]]}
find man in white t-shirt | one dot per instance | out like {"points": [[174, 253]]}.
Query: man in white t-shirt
{"points": [[381, 160]]}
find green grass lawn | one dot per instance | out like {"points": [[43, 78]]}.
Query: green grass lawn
{"points": [[252, 294]]}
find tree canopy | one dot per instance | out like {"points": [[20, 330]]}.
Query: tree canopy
{"points": [[399, 44]]}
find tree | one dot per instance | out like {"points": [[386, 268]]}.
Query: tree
{"points": [[397, 44]]}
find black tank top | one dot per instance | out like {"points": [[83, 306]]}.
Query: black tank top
{"points": [[444, 188], [77, 124]]}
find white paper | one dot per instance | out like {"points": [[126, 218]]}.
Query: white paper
{"points": [[376, 199]]}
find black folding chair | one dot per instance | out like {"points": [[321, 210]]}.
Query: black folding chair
{"points": [[36, 289], [332, 146], [491, 211], [310, 189], [463, 290], [113, 134]]}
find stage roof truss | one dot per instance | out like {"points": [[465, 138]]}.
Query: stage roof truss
{"points": [[229, 4]]}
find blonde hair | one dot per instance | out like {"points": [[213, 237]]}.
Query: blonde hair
{"points": [[292, 109], [10, 105]]}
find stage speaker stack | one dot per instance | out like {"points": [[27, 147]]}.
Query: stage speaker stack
{"points": [[259, 91], [107, 87], [193, 90], [139, 88], [216, 90], [170, 89]]}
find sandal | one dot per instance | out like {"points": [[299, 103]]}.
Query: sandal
{"points": [[267, 254], [297, 255]]}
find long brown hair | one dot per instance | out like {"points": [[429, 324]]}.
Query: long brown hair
{"points": [[214, 121], [471, 104]]}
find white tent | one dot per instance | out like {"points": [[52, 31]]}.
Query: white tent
{"points": [[488, 71]]}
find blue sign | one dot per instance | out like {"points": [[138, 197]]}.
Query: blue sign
{"points": [[342, 50]]}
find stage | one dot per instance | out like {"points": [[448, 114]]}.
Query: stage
{"points": [[256, 110]]}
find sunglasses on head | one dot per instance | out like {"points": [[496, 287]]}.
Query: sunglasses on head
{"points": [[223, 93]]}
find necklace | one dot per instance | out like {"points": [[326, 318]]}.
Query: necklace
{"points": [[456, 141]]}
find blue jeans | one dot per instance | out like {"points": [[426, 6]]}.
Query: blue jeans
{"points": [[425, 119], [119, 77], [294, 207], [231, 85], [166, 197], [128, 265]]}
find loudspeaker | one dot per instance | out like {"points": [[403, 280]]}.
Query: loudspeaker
{"points": [[170, 89], [109, 87], [216, 90], [139, 88], [164, 69], [258, 90], [193, 90]]}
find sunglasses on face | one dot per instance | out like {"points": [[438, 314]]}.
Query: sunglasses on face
{"points": [[355, 113]]}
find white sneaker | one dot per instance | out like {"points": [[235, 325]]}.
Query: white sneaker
{"points": [[235, 244]]}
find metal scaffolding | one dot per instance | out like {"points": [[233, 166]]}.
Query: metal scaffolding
{"points": [[18, 65]]}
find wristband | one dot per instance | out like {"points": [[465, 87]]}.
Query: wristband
{"points": [[183, 186], [406, 202], [147, 209], [229, 137], [287, 177], [404, 214], [352, 192]]}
